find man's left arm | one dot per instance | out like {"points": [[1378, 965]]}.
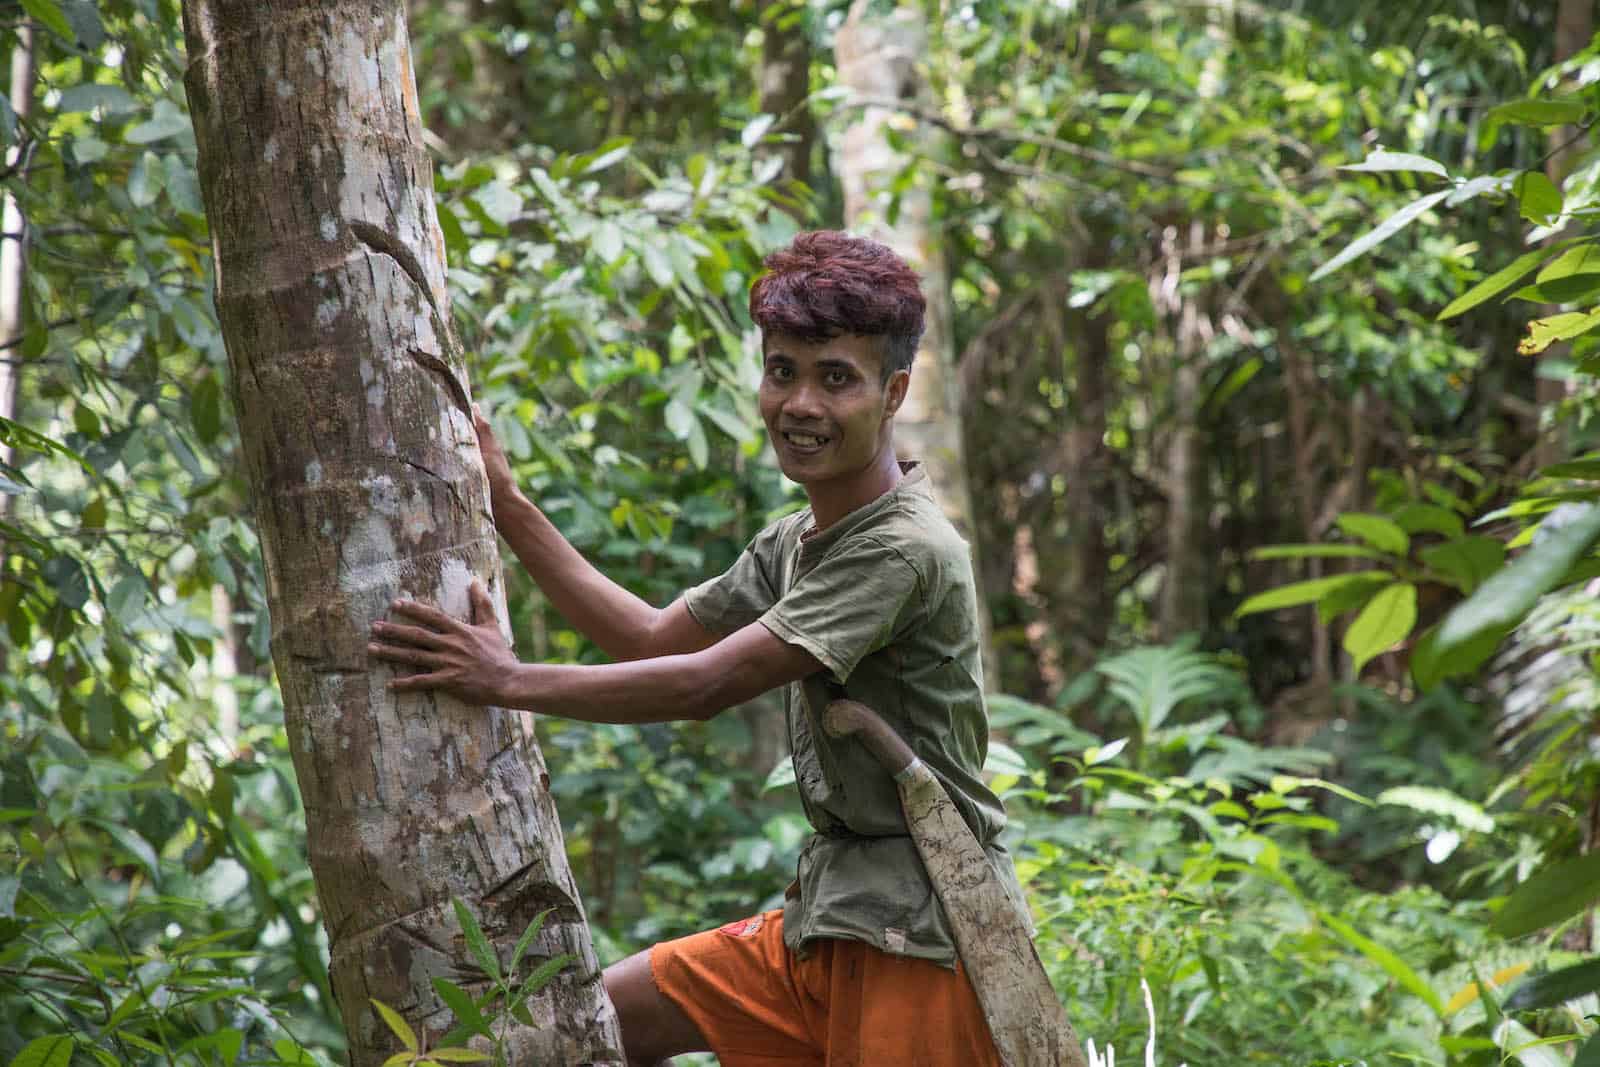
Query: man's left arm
{"points": [[471, 661]]}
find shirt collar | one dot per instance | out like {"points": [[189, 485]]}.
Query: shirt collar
{"points": [[913, 479]]}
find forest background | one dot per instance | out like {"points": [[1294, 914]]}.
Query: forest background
{"points": [[1287, 548]]}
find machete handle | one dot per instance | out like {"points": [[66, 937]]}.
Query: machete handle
{"points": [[846, 717]]}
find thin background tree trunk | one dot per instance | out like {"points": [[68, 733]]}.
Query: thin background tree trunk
{"points": [[877, 59], [14, 238], [367, 485]]}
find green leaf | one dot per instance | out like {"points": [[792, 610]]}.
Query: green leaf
{"points": [[1468, 561], [1537, 195], [1539, 112], [1387, 229], [1494, 284], [52, 1051], [146, 180], [399, 1026], [1583, 469], [1385, 160], [527, 937], [165, 121], [461, 1006], [543, 974], [1542, 333], [1381, 533], [1429, 666], [1555, 987], [477, 944], [699, 447], [48, 15], [1315, 551], [1434, 801], [1391, 964], [1352, 596], [1384, 622], [1583, 259], [1429, 518], [1303, 592], [1554, 892], [1589, 1054], [1506, 597]]}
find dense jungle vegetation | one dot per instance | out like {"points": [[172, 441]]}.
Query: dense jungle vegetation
{"points": [[1274, 329]]}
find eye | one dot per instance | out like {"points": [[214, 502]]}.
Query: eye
{"points": [[778, 372], [836, 377]]}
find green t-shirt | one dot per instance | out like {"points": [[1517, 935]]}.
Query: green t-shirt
{"points": [[884, 599]]}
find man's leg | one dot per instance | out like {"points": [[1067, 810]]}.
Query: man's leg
{"points": [[653, 1027]]}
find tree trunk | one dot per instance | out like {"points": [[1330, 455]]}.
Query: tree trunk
{"points": [[1082, 590], [367, 485], [877, 59], [1184, 593], [785, 84], [14, 239]]}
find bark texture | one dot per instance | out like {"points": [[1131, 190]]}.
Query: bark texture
{"points": [[785, 78], [877, 57], [367, 485]]}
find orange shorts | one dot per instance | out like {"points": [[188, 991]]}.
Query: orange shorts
{"points": [[845, 1005]]}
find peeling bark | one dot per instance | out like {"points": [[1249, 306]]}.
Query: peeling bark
{"points": [[357, 436]]}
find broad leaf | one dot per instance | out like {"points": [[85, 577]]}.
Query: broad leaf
{"points": [[1505, 598], [1384, 622], [1381, 533], [1307, 592], [1385, 160], [1494, 284], [461, 1006], [477, 943], [1387, 229], [48, 14], [1582, 259], [1537, 196], [1542, 333], [1429, 518], [1555, 987], [53, 1051], [401, 1028], [1554, 892], [1539, 112], [1468, 561]]}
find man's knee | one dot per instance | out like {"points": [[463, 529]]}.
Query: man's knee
{"points": [[653, 1027]]}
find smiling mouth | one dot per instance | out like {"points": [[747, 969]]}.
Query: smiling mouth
{"points": [[805, 442]]}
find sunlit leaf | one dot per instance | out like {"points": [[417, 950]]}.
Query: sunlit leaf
{"points": [[1381, 533], [1306, 592], [1385, 230], [1385, 160], [1384, 622]]}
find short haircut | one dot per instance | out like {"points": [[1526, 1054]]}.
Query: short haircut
{"points": [[827, 284]]}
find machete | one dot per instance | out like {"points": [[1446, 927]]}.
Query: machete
{"points": [[1026, 1020]]}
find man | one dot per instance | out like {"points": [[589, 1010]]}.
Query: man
{"points": [[867, 593]]}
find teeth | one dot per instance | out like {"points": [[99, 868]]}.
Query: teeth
{"points": [[805, 440]]}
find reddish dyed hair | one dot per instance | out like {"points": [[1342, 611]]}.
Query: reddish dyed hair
{"points": [[827, 284]]}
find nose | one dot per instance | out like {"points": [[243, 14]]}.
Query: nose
{"points": [[803, 402]]}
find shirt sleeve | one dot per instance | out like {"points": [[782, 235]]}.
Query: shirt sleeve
{"points": [[858, 599], [738, 596]]}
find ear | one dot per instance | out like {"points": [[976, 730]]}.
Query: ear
{"points": [[895, 392]]}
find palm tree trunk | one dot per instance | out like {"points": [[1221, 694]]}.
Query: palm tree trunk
{"points": [[366, 485]]}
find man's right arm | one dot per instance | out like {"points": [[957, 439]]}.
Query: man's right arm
{"points": [[624, 626]]}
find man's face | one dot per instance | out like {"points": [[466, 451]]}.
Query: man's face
{"points": [[826, 405]]}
